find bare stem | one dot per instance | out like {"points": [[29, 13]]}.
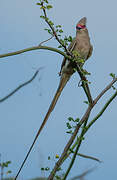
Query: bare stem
{"points": [[105, 90], [35, 48], [46, 40], [101, 112], [19, 87]]}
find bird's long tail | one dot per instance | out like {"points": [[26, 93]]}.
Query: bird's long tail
{"points": [[63, 81]]}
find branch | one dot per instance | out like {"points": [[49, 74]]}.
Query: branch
{"points": [[52, 28], [72, 161], [79, 141], [35, 48], [59, 162], [89, 157], [83, 174], [19, 87], [105, 90], [84, 118], [46, 40], [84, 130], [82, 134], [85, 85], [101, 112]]}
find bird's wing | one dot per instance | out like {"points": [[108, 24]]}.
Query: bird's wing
{"points": [[90, 51], [70, 48]]}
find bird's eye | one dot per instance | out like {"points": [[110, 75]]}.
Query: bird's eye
{"points": [[77, 27]]}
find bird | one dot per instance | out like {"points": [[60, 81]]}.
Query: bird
{"points": [[81, 44]]}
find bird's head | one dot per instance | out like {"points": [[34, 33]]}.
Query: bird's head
{"points": [[81, 25]]}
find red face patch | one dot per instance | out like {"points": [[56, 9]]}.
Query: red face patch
{"points": [[79, 26]]}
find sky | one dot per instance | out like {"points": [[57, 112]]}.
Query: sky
{"points": [[23, 113]]}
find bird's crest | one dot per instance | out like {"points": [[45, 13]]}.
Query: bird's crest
{"points": [[82, 23]]}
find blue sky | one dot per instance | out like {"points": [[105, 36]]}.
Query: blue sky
{"points": [[22, 114]]}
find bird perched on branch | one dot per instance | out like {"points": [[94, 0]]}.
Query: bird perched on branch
{"points": [[80, 44]]}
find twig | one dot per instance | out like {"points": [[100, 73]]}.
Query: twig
{"points": [[35, 48], [83, 174], [53, 30], [46, 40], [89, 157], [105, 90], [19, 87], [72, 161], [101, 112]]}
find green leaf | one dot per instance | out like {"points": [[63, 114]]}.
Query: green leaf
{"points": [[43, 17], [47, 169], [60, 46], [62, 41], [49, 7], [51, 23], [8, 172], [8, 162], [112, 75], [74, 69], [61, 31], [4, 164], [69, 132], [70, 119], [43, 7], [77, 120], [49, 30], [114, 88], [42, 169], [59, 169], [75, 53], [58, 26], [81, 61], [85, 128], [57, 156], [70, 39], [68, 125], [38, 4], [71, 150], [82, 138], [45, 1], [57, 177], [49, 158], [85, 72], [66, 43], [86, 102]]}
